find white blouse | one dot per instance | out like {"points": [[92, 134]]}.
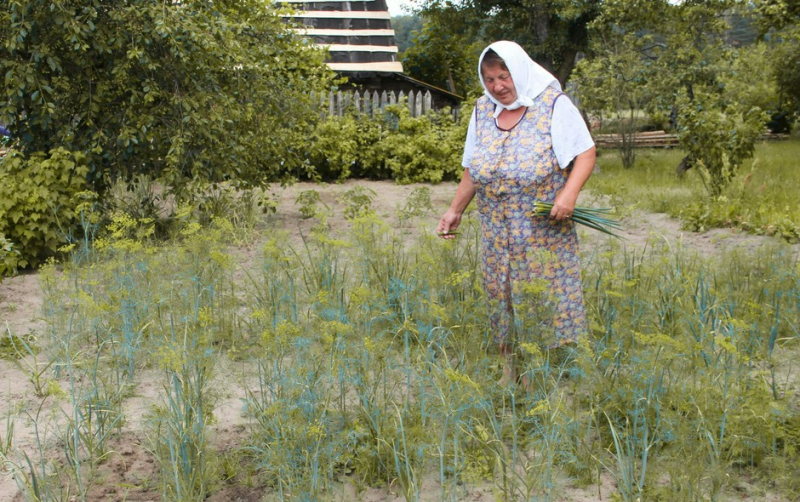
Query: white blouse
{"points": [[570, 135]]}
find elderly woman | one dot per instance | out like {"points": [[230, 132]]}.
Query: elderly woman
{"points": [[526, 142]]}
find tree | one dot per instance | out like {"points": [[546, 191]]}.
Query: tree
{"points": [[751, 82], [717, 131], [779, 22], [553, 32], [443, 59], [777, 14], [444, 52], [671, 59], [405, 27], [615, 81], [786, 69], [181, 90]]}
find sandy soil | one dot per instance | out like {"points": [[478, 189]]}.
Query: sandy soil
{"points": [[129, 472]]}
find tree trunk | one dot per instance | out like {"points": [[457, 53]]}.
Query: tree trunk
{"points": [[564, 70], [450, 81]]}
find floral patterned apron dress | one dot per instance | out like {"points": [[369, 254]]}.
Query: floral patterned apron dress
{"points": [[520, 251]]}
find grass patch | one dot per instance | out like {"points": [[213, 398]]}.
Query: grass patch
{"points": [[763, 199]]}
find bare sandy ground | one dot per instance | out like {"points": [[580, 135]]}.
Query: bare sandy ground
{"points": [[131, 469]]}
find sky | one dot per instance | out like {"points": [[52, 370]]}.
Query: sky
{"points": [[396, 7]]}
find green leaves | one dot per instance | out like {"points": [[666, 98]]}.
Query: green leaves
{"points": [[391, 146], [671, 61], [37, 205], [424, 149], [717, 137], [182, 90], [445, 52]]}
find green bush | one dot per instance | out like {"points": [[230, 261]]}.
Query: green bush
{"points": [[9, 257], [717, 138], [310, 202], [422, 149], [393, 145], [37, 204], [724, 212], [338, 145]]}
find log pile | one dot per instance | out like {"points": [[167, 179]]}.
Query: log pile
{"points": [[652, 139], [769, 136], [657, 139]]}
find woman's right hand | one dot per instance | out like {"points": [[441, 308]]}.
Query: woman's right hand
{"points": [[451, 219], [448, 224]]}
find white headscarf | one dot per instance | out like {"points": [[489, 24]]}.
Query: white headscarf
{"points": [[529, 78]]}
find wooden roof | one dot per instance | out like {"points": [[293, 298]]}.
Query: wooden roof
{"points": [[358, 33]]}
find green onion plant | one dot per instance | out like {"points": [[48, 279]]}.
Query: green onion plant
{"points": [[596, 218]]}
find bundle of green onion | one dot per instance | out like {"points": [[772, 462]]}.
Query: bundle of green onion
{"points": [[596, 218]]}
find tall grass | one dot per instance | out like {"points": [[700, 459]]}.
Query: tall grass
{"points": [[761, 199]]}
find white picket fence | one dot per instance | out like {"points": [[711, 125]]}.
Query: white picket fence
{"points": [[335, 103]]}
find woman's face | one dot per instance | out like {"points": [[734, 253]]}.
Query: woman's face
{"points": [[499, 83]]}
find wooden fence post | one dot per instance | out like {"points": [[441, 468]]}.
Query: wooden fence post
{"points": [[384, 100], [372, 102], [426, 104], [346, 104]]}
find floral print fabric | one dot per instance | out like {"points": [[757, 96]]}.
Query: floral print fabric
{"points": [[530, 263]]}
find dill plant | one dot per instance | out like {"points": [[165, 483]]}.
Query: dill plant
{"points": [[373, 366], [180, 421], [117, 310]]}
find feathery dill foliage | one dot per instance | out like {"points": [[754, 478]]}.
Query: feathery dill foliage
{"points": [[364, 359]]}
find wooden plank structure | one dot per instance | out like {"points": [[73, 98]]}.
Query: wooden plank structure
{"points": [[657, 139], [360, 39], [651, 139], [358, 33]]}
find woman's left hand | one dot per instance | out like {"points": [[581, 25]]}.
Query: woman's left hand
{"points": [[563, 206]]}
